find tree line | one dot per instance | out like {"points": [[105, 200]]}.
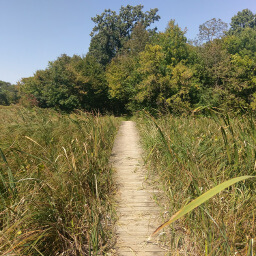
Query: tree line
{"points": [[8, 93], [130, 66]]}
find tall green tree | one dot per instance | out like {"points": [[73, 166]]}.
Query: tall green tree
{"points": [[138, 40], [121, 78], [151, 91], [153, 75], [113, 29], [122, 73], [243, 43], [242, 82], [174, 43], [242, 20], [213, 63], [185, 87]]}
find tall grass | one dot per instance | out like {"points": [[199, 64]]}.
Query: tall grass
{"points": [[55, 182], [192, 155]]}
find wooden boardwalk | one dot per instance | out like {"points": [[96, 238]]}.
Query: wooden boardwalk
{"points": [[138, 213]]}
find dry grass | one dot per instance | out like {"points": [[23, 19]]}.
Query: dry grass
{"points": [[55, 183], [193, 155]]}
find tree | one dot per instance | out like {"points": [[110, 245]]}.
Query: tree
{"points": [[212, 29], [121, 79], [153, 86], [242, 81], [139, 38], [95, 90], [243, 43], [242, 20], [112, 30], [185, 88], [68, 83], [59, 86], [8, 93], [211, 65], [214, 63], [122, 75], [173, 43]]}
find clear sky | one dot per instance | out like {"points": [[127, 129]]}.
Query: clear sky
{"points": [[34, 32]]}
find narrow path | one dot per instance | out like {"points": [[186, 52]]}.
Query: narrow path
{"points": [[138, 213]]}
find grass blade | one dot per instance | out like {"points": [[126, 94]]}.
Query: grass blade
{"points": [[225, 139], [9, 172], [165, 141]]}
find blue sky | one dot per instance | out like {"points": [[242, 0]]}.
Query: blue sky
{"points": [[34, 32]]}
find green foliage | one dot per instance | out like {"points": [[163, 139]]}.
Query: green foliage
{"points": [[173, 42], [140, 37], [242, 20], [154, 78], [122, 73], [170, 74], [213, 63], [95, 91], [8, 93], [130, 67], [112, 30], [243, 75], [153, 85], [68, 83], [243, 43], [185, 87], [120, 78], [58, 86]]}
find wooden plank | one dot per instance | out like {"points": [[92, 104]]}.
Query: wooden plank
{"points": [[138, 213]]}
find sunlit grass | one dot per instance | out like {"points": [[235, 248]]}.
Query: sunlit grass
{"points": [[193, 155], [55, 182]]}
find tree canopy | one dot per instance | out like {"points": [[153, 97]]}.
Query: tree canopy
{"points": [[113, 29], [212, 29], [131, 66], [242, 20]]}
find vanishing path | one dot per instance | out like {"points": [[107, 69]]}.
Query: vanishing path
{"points": [[138, 213]]}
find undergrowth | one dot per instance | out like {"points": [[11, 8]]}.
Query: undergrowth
{"points": [[55, 183]]}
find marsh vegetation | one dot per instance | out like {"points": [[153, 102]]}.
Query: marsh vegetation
{"points": [[191, 155], [55, 182]]}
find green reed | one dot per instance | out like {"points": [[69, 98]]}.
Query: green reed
{"points": [[193, 155]]}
